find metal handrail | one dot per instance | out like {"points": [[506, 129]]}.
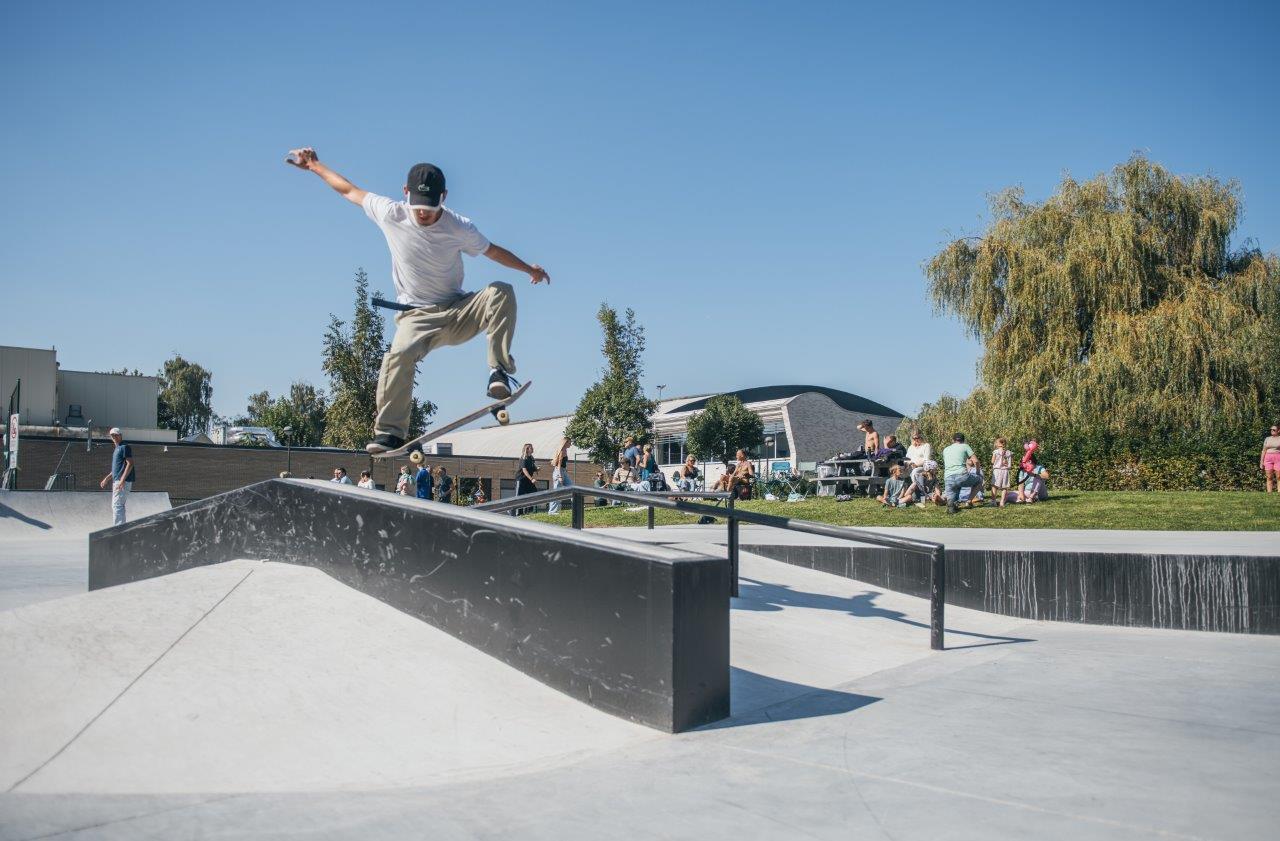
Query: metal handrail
{"points": [[675, 500]]}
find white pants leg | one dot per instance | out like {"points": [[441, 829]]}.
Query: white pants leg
{"points": [[559, 479], [118, 496]]}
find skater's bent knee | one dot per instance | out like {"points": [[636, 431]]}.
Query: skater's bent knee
{"points": [[501, 287]]}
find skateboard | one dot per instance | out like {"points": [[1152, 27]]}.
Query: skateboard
{"points": [[497, 408]]}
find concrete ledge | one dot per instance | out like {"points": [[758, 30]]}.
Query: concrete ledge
{"points": [[638, 631], [1232, 593]]}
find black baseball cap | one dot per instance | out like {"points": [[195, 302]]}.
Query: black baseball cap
{"points": [[426, 185]]}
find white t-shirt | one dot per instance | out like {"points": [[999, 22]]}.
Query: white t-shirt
{"points": [[919, 453], [426, 261]]}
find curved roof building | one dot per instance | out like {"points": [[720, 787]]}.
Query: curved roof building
{"points": [[802, 423]]}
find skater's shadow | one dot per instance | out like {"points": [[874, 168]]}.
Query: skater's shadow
{"points": [[7, 513], [761, 595]]}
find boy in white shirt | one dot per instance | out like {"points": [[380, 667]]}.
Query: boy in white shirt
{"points": [[427, 241]]}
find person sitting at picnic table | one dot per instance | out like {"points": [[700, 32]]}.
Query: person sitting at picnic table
{"points": [[892, 452]]}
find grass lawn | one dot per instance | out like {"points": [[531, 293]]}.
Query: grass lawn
{"points": [[1157, 510]]}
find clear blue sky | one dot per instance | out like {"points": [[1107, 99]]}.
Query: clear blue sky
{"points": [[761, 182]]}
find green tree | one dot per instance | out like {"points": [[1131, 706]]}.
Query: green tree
{"points": [[722, 428], [1119, 307], [352, 359], [186, 396], [303, 409], [614, 407]]}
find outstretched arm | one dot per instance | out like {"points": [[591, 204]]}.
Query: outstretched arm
{"points": [[306, 158], [503, 257]]}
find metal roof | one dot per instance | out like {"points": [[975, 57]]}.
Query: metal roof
{"points": [[762, 394]]}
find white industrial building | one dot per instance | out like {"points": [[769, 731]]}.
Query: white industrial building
{"points": [[803, 424], [54, 398]]}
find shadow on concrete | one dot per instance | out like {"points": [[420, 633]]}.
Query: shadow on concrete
{"points": [[760, 699], [8, 513], [761, 595]]}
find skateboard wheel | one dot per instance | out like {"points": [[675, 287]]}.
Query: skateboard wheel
{"points": [[416, 456], [503, 416]]}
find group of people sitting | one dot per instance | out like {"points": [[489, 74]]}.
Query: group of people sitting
{"points": [[638, 471], [914, 475]]}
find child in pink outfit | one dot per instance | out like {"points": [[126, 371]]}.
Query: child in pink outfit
{"points": [[1001, 464]]}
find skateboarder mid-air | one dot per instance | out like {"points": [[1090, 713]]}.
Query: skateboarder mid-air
{"points": [[427, 241]]}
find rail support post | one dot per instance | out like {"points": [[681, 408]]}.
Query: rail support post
{"points": [[733, 551], [577, 508], [650, 518], [937, 597]]}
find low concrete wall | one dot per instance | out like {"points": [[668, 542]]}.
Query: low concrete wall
{"points": [[1236, 594], [638, 631]]}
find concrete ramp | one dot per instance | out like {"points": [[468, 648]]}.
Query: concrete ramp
{"points": [[253, 676], [64, 515]]}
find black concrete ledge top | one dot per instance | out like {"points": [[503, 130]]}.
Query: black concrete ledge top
{"points": [[637, 630]]}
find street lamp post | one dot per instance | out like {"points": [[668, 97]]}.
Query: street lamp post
{"points": [[288, 449]]}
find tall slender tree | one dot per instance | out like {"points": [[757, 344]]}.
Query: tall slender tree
{"points": [[614, 407], [352, 359]]}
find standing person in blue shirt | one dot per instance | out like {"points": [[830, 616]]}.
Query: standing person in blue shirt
{"points": [[956, 460], [121, 477], [422, 480]]}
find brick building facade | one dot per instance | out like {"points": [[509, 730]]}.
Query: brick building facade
{"points": [[194, 471]]}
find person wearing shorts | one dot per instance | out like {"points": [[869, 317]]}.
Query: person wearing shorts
{"points": [[427, 241], [1270, 461], [1001, 464]]}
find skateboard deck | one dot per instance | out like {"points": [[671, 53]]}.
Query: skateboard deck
{"points": [[497, 408]]}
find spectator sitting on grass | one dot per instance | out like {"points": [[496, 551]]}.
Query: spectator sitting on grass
{"points": [[366, 481], [956, 460], [923, 486], [340, 476], [894, 488], [1034, 488]]}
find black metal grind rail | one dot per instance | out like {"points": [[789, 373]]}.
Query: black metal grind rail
{"points": [[677, 501]]}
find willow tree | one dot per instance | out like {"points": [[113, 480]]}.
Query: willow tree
{"points": [[1118, 305]]}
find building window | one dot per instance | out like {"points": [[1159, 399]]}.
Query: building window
{"points": [[671, 451]]}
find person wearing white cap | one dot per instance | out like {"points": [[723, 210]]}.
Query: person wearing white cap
{"points": [[121, 476]]}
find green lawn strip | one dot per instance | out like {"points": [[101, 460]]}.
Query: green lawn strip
{"points": [[1150, 510]]}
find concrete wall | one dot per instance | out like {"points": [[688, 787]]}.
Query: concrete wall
{"points": [[819, 428], [195, 471], [38, 370], [110, 399]]}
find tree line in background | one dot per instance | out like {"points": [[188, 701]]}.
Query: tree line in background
{"points": [[352, 356], [1120, 328]]}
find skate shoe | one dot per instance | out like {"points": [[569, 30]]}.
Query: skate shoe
{"points": [[383, 442], [499, 384]]}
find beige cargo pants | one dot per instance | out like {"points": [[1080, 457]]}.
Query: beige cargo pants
{"points": [[492, 309]]}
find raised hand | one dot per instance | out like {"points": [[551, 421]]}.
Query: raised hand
{"points": [[538, 274], [302, 158]]}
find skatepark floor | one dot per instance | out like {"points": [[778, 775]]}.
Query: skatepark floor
{"points": [[255, 699]]}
